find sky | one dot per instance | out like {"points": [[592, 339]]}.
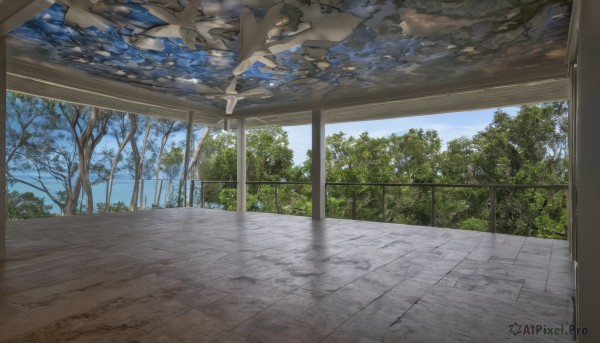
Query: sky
{"points": [[448, 125]]}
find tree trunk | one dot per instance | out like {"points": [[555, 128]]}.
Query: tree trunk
{"points": [[138, 159], [73, 198], [133, 205], [163, 143], [192, 170], [86, 141], [155, 205], [113, 167], [142, 197], [168, 195], [85, 155], [87, 188]]}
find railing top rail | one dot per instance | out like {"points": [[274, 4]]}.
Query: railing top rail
{"points": [[461, 185], [379, 184], [228, 182], [277, 183], [465, 185]]}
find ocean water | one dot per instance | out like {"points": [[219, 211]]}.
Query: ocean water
{"points": [[122, 191]]}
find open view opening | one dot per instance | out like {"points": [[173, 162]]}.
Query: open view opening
{"points": [[311, 171]]}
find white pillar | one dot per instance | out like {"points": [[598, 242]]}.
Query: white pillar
{"points": [[186, 162], [588, 171], [572, 174], [318, 165], [2, 147], [241, 165]]}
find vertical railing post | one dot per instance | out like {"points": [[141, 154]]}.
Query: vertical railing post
{"points": [[107, 201], [202, 193], [192, 186], [276, 199], [353, 206], [493, 208], [325, 198], [383, 203], [432, 205]]}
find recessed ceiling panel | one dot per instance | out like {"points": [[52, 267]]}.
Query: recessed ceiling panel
{"points": [[247, 53]]}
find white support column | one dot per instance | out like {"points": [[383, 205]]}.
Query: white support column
{"points": [[572, 174], [588, 172], [241, 165], [186, 162], [12, 14], [318, 165], [2, 147]]}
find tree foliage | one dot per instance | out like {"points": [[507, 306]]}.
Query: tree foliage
{"points": [[59, 150], [527, 148], [49, 139], [59, 143], [25, 206]]}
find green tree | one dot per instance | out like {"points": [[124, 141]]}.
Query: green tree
{"points": [[171, 166], [25, 206], [528, 148], [219, 157], [164, 129], [268, 153], [114, 207], [53, 140], [356, 160], [269, 158], [415, 156]]}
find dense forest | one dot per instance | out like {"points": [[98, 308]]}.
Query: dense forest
{"points": [[77, 147], [529, 148]]}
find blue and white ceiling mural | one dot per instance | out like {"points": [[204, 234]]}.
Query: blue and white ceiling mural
{"points": [[253, 52]]}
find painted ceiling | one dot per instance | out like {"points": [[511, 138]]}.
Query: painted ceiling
{"points": [[248, 53]]}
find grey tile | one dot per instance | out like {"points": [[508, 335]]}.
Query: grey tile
{"points": [[191, 327], [187, 275]]}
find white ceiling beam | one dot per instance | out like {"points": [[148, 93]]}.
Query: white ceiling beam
{"points": [[485, 98], [30, 74], [65, 77], [13, 13]]}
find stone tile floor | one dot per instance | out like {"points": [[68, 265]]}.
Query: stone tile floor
{"points": [[194, 275]]}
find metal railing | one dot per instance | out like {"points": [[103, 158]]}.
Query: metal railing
{"points": [[384, 191], [203, 190], [384, 186], [277, 185], [432, 186]]}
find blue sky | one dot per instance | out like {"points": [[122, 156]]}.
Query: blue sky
{"points": [[448, 125]]}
